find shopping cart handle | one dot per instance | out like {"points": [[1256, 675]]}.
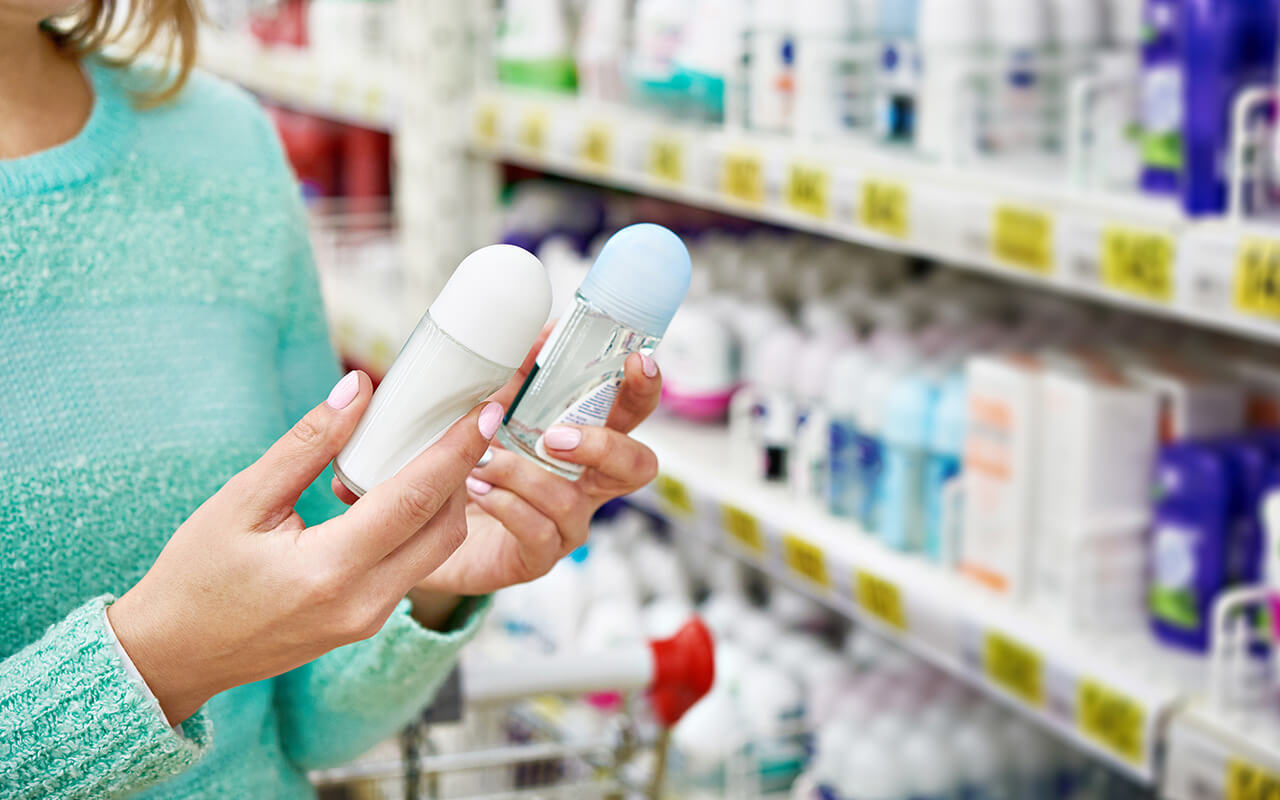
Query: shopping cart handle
{"points": [[684, 669]]}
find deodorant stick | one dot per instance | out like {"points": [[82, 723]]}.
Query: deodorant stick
{"points": [[469, 343]]}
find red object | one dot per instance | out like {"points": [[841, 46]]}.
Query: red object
{"points": [[366, 168], [286, 24], [684, 670], [312, 146]]}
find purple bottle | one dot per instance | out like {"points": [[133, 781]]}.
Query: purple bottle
{"points": [[1250, 466], [1162, 109], [1189, 543]]}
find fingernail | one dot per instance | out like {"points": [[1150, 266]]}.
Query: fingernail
{"points": [[561, 437], [490, 419], [485, 459], [344, 391], [477, 486], [649, 366]]}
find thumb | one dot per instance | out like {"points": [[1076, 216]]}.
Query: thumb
{"points": [[274, 482]]}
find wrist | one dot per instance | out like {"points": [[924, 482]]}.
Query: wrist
{"points": [[172, 678], [432, 610]]}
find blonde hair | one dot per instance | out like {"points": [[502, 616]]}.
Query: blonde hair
{"points": [[146, 24]]}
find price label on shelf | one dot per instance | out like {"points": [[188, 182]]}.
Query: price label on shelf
{"points": [[673, 493], [597, 144], [1023, 238], [666, 158], [742, 177], [884, 208], [1256, 284], [742, 528], [1014, 667], [374, 103], [808, 190], [487, 123], [805, 559], [880, 598], [533, 130], [1112, 720], [1139, 263], [1248, 782]]}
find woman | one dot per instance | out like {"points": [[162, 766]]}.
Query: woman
{"points": [[162, 329]]}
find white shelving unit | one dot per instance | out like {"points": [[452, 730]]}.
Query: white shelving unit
{"points": [[1111, 695]]}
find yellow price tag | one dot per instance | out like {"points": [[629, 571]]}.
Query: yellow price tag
{"points": [[1247, 782], [805, 559], [673, 493], [1138, 263], [1023, 237], [533, 130], [884, 208], [742, 177], [808, 190], [373, 102], [1257, 281], [881, 599], [1014, 667], [597, 145], [666, 158], [742, 528], [487, 123], [1112, 720]]}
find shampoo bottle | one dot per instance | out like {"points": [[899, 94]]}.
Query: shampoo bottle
{"points": [[468, 344], [623, 306]]}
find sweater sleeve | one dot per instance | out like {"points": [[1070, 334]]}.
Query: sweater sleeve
{"points": [[345, 702], [74, 725]]}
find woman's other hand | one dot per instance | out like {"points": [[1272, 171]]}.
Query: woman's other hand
{"points": [[244, 590]]}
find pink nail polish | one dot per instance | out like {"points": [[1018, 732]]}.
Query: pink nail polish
{"points": [[490, 419], [560, 437], [478, 487], [649, 366], [344, 391]]}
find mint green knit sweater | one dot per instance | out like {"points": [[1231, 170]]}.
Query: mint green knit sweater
{"points": [[161, 326]]}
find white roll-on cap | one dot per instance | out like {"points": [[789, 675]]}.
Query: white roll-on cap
{"points": [[951, 23], [1020, 24], [495, 303]]}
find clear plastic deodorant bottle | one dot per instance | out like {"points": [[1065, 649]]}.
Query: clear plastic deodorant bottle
{"points": [[623, 306], [468, 344]]}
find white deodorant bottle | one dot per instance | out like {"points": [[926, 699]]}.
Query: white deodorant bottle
{"points": [[468, 344]]}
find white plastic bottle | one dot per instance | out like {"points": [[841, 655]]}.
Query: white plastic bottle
{"points": [[771, 76], [825, 69], [469, 343], [623, 306], [930, 766], [709, 53], [952, 39], [843, 398], [1021, 48], [659, 32], [534, 49], [979, 752], [602, 38], [809, 467], [907, 421], [872, 770], [899, 70], [1077, 34]]}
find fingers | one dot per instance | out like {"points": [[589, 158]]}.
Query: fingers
{"points": [[550, 495], [539, 542], [507, 394], [617, 464], [638, 396], [424, 551], [341, 491], [397, 508], [273, 483]]}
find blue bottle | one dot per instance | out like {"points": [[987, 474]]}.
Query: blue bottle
{"points": [[845, 488], [946, 457], [1189, 543], [1251, 465], [908, 422]]}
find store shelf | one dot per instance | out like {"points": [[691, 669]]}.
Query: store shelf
{"points": [[1112, 695], [1214, 754], [361, 93], [1126, 250]]}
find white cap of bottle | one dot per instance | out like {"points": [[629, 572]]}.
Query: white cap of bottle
{"points": [[495, 303], [1019, 24]]}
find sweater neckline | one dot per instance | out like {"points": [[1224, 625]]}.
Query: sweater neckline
{"points": [[99, 141]]}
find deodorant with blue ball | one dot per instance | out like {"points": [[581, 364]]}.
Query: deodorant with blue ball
{"points": [[622, 307]]}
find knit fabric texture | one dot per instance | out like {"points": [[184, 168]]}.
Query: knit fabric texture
{"points": [[162, 327]]}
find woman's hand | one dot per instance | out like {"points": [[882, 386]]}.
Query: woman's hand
{"points": [[244, 590], [522, 518]]}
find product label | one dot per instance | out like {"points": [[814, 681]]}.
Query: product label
{"points": [[1162, 118], [808, 190], [1246, 781], [1256, 286], [533, 130], [1023, 237], [674, 494], [597, 145], [884, 208], [1112, 720], [806, 560], [1139, 263], [881, 599], [666, 158], [591, 410], [1173, 575], [487, 124], [1014, 667], [742, 177], [742, 528]]}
